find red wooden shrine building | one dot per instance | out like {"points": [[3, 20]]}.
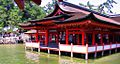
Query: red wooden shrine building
{"points": [[71, 28]]}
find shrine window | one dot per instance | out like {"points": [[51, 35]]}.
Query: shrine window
{"points": [[105, 39], [70, 38], [76, 39], [43, 37], [62, 37], [117, 38], [80, 39], [111, 38], [89, 38], [97, 38], [53, 38]]}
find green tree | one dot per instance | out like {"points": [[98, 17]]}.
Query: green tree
{"points": [[108, 4], [49, 7], [101, 8], [11, 16]]}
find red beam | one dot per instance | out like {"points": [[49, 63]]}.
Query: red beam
{"points": [[93, 38], [83, 38], [67, 36], [74, 32], [104, 25], [46, 38], [37, 36]]}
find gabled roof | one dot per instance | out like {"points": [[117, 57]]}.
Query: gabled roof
{"points": [[68, 7], [51, 18], [91, 16], [56, 9], [116, 17], [84, 12], [73, 13], [77, 11]]}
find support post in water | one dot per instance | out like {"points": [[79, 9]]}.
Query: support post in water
{"points": [[71, 50], [59, 50], [86, 54], [103, 50], [95, 55], [38, 49], [110, 48], [48, 51], [116, 48]]}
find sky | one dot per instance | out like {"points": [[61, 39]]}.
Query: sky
{"points": [[115, 9]]}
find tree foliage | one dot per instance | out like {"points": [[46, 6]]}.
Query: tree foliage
{"points": [[11, 16], [101, 8], [49, 7]]}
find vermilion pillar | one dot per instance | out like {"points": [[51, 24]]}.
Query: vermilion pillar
{"points": [[37, 36], [46, 37], [93, 39], [83, 38], [67, 36]]}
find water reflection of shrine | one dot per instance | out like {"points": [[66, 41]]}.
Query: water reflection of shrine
{"points": [[32, 56], [48, 59], [71, 61]]}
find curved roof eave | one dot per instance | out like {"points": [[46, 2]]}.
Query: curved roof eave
{"points": [[92, 16]]}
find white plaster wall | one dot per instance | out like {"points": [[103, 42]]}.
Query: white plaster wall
{"points": [[118, 45], [91, 49], [106, 47], [99, 48], [113, 46], [79, 49], [65, 47]]}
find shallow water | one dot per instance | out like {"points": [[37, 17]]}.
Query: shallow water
{"points": [[16, 54]]}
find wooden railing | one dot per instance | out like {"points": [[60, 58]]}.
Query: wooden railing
{"points": [[83, 49]]}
